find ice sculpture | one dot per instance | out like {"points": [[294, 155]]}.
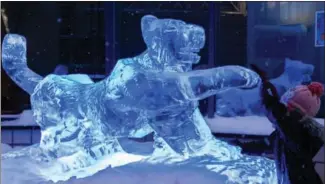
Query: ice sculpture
{"points": [[156, 91], [244, 102]]}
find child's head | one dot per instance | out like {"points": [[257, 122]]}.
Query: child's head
{"points": [[304, 97]]}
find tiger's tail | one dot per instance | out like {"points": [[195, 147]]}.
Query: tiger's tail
{"points": [[14, 62]]}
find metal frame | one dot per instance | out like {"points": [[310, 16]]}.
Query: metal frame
{"points": [[316, 14], [110, 36], [178, 7], [32, 129]]}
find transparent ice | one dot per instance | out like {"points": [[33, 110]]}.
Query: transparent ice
{"points": [[82, 122]]}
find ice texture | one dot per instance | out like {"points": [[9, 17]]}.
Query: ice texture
{"points": [[156, 91], [15, 63], [247, 102]]}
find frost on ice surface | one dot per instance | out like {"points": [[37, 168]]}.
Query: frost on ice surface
{"points": [[82, 122]]}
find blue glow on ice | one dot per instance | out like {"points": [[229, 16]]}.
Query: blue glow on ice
{"points": [[156, 91]]}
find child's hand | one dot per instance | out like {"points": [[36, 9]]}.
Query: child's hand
{"points": [[270, 97]]}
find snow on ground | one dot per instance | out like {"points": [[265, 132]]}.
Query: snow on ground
{"points": [[249, 125], [5, 148], [24, 119]]}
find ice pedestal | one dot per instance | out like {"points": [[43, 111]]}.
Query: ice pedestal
{"points": [[137, 173], [146, 168]]}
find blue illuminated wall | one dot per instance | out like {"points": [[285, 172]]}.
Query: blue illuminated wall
{"points": [[276, 30], [284, 29]]}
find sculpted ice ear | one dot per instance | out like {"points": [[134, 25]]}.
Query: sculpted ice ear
{"points": [[146, 21], [145, 26]]}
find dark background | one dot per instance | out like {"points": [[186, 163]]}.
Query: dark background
{"points": [[89, 37]]}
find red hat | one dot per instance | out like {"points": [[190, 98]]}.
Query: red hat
{"points": [[306, 98]]}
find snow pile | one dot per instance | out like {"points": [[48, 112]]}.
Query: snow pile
{"points": [[24, 119], [5, 148], [249, 125]]}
